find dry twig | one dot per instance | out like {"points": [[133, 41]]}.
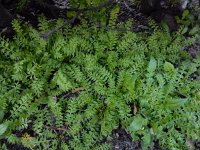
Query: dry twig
{"points": [[78, 12]]}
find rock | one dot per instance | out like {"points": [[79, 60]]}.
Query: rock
{"points": [[6, 2], [62, 4], [171, 22], [5, 17], [149, 6], [161, 10]]}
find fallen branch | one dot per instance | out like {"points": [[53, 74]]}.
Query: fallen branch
{"points": [[64, 129], [78, 12], [48, 33], [127, 6], [69, 94]]}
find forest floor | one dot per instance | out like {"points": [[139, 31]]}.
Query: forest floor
{"points": [[121, 139]]}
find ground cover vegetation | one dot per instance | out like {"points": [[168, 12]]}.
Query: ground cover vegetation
{"points": [[70, 89]]}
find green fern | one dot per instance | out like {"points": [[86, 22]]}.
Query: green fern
{"points": [[73, 90]]}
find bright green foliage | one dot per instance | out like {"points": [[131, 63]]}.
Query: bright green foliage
{"points": [[71, 91]]}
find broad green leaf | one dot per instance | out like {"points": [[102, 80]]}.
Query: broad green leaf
{"points": [[152, 65], [3, 128], [1, 115], [146, 142], [137, 123]]}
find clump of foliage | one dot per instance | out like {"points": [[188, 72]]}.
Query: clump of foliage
{"points": [[190, 21], [72, 90]]}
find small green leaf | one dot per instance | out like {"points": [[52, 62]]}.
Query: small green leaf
{"points": [[168, 67], [71, 14], [185, 14], [194, 30], [3, 128], [186, 23], [178, 20], [134, 137], [185, 29]]}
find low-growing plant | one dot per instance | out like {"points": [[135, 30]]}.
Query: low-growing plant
{"points": [[72, 90]]}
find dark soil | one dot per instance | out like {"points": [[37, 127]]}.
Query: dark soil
{"points": [[194, 49], [122, 141]]}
